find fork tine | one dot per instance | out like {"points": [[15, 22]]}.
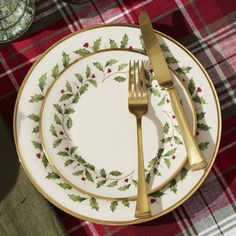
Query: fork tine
{"points": [[135, 86], [143, 81], [130, 82], [139, 83]]}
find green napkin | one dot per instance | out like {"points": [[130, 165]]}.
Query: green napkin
{"points": [[23, 210]]}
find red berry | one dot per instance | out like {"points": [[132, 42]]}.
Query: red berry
{"points": [[168, 100], [109, 70], [199, 90], [152, 200], [96, 177], [83, 178], [183, 80], [131, 47], [173, 116], [86, 45], [158, 163], [38, 155], [197, 133], [151, 70], [93, 76], [173, 157], [61, 133], [126, 180], [171, 145], [67, 149], [62, 90]]}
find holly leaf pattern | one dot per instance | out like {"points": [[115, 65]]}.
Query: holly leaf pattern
{"points": [[200, 116], [183, 174], [76, 198], [79, 77], [69, 111], [203, 146], [88, 72], [96, 44], [103, 173], [94, 204], [163, 100], [58, 108], [122, 66], [90, 166], [83, 89], [57, 120], [164, 48], [177, 140], [112, 43], [115, 173], [170, 152], [56, 143], [36, 129], [72, 150], [124, 188], [37, 145], [124, 41], [126, 203], [78, 172], [119, 78], [88, 176], [173, 185], [65, 59], [166, 128], [65, 97], [82, 52], [65, 186], [191, 86], [183, 70], [157, 194], [199, 99], [101, 183], [111, 62], [203, 126], [148, 178], [69, 162], [112, 184], [171, 60], [45, 161], [53, 130], [113, 205], [36, 98], [52, 175], [69, 123], [98, 65], [33, 117], [93, 82], [155, 92], [68, 86], [167, 162], [55, 71], [63, 154], [80, 160], [42, 81]]}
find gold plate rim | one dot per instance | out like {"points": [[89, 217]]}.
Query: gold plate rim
{"points": [[136, 221]]}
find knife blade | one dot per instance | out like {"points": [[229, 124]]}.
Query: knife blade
{"points": [[162, 74]]}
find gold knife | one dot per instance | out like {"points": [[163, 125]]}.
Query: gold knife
{"points": [[164, 78]]}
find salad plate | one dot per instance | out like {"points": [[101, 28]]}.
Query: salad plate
{"points": [[52, 64]]}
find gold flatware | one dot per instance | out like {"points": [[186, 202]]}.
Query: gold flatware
{"points": [[164, 78], [138, 105]]}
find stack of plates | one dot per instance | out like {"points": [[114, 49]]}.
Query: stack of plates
{"points": [[76, 138], [16, 17]]}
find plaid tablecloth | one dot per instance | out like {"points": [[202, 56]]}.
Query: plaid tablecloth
{"points": [[207, 28]]}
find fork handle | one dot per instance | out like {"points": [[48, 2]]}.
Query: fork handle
{"points": [[142, 205], [195, 158]]}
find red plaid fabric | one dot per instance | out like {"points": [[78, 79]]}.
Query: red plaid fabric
{"points": [[207, 29]]}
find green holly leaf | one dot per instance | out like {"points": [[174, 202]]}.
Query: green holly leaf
{"points": [[183, 173], [166, 128], [93, 82], [113, 205], [124, 188], [203, 146], [155, 92], [166, 140], [103, 173], [135, 183], [79, 77], [69, 162], [112, 184], [167, 162], [183, 70], [69, 111], [199, 99], [36, 98], [115, 173], [76, 198], [124, 41], [68, 86], [36, 129], [58, 108], [177, 128], [69, 123], [111, 62], [125, 203], [94, 203], [171, 60], [96, 44], [33, 117], [76, 98], [120, 79], [65, 59], [45, 161], [177, 140], [57, 143], [191, 86], [101, 182], [78, 172], [82, 52], [53, 131], [157, 194], [55, 71], [88, 176], [72, 150], [42, 81], [63, 154], [65, 97], [83, 89], [152, 162], [88, 72], [79, 159], [148, 178], [159, 153], [170, 152], [90, 166], [37, 145], [203, 127], [163, 100], [164, 48], [57, 120], [112, 43], [142, 42], [52, 175], [122, 66], [98, 65], [200, 115], [65, 186], [156, 172], [173, 185]]}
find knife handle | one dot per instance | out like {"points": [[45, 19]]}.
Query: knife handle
{"points": [[195, 158]]}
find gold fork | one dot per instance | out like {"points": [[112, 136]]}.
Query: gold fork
{"points": [[138, 105]]}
